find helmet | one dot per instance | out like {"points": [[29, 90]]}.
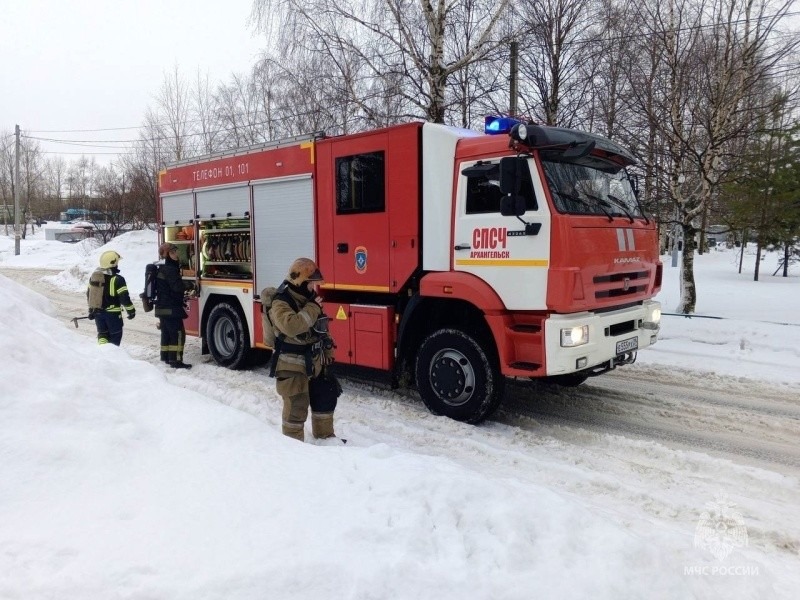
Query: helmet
{"points": [[109, 259], [302, 270], [163, 249]]}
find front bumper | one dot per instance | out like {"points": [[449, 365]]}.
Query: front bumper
{"points": [[612, 334]]}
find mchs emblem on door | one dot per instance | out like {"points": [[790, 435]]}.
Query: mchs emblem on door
{"points": [[361, 260]]}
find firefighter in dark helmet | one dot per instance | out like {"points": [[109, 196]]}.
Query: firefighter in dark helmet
{"points": [[302, 350], [170, 297], [107, 296]]}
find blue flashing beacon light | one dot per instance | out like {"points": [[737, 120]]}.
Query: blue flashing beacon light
{"points": [[494, 125]]}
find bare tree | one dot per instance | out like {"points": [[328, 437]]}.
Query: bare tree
{"points": [[7, 176], [406, 40], [55, 174], [238, 113], [172, 115], [712, 61], [31, 182], [107, 206], [558, 71], [208, 127]]}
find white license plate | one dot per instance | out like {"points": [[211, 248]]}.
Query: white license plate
{"points": [[627, 345]]}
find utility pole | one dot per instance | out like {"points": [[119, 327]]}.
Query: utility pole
{"points": [[17, 180], [512, 105]]}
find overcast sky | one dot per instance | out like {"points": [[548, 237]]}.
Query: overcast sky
{"points": [[98, 64]]}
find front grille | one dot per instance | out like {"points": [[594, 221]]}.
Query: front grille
{"points": [[616, 285]]}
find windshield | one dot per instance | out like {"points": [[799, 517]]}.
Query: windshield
{"points": [[582, 190]]}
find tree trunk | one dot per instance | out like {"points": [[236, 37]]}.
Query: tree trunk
{"points": [[688, 289], [741, 254], [703, 247], [758, 259], [786, 255]]}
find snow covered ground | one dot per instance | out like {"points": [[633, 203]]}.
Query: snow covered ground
{"points": [[123, 479]]}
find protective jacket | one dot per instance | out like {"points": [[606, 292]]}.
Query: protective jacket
{"points": [[170, 290], [115, 293], [301, 347]]}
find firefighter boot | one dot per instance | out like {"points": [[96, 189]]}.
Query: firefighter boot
{"points": [[295, 411], [322, 425]]}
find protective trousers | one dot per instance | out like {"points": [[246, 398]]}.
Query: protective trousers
{"points": [[173, 339], [109, 327], [293, 388]]}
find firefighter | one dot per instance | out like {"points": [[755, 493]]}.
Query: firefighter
{"points": [[170, 298], [107, 296], [302, 350]]}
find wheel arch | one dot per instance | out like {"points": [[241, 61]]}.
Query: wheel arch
{"points": [[212, 301], [424, 315]]}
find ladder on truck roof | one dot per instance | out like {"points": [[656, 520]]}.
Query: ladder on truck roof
{"points": [[289, 141]]}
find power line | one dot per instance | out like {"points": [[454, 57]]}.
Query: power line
{"points": [[79, 142], [88, 153], [83, 130]]}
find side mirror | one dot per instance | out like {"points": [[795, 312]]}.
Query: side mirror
{"points": [[512, 206], [511, 174], [634, 179]]}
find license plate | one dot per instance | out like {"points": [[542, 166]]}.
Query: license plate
{"points": [[627, 345]]}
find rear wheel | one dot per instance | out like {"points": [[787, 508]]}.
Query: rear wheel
{"points": [[227, 337], [457, 378]]}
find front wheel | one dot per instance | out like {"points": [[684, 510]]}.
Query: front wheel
{"points": [[227, 337], [457, 378]]}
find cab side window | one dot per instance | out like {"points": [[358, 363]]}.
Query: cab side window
{"points": [[483, 189], [361, 183]]}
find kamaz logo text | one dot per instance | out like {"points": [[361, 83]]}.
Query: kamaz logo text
{"points": [[620, 261], [489, 237]]}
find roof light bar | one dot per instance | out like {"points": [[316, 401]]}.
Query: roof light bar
{"points": [[495, 124]]}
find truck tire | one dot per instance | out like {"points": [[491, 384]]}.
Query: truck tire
{"points": [[457, 378], [226, 333]]}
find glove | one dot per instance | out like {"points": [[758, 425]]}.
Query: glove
{"points": [[327, 357], [91, 314], [131, 314], [313, 310]]}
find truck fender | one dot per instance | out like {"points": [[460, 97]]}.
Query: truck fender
{"points": [[461, 286], [446, 286]]}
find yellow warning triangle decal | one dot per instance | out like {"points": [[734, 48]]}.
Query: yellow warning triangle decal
{"points": [[340, 314]]}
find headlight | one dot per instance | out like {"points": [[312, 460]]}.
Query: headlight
{"points": [[575, 336], [653, 320]]}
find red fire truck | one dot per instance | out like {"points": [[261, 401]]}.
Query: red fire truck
{"points": [[453, 259]]}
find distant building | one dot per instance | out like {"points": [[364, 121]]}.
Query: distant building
{"points": [[719, 235]]}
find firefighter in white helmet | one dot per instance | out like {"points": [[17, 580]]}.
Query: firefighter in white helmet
{"points": [[107, 296], [302, 350]]}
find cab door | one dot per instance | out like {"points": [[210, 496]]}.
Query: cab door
{"points": [[368, 207], [358, 219], [498, 249]]}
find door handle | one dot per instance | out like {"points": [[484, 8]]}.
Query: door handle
{"points": [[342, 248], [462, 247]]}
